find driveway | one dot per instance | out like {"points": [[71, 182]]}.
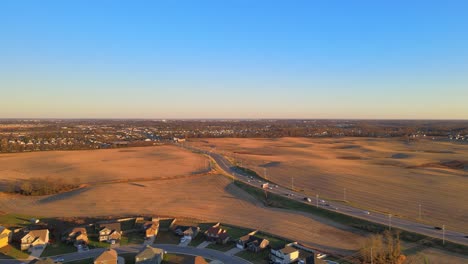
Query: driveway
{"points": [[203, 244]]}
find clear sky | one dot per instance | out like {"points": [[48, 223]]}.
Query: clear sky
{"points": [[234, 59]]}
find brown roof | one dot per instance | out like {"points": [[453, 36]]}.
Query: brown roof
{"points": [[108, 256]]}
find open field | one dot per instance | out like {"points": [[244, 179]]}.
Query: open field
{"points": [[208, 197], [388, 175], [212, 198], [97, 166]]}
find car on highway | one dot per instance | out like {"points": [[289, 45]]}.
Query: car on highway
{"points": [[59, 260], [367, 212], [307, 199]]}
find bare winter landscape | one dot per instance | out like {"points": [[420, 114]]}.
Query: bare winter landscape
{"points": [[388, 175]]}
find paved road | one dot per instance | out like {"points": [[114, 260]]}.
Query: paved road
{"points": [[375, 217], [175, 249]]}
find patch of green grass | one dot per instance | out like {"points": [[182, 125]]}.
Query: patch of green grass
{"points": [[94, 243], [58, 249], [9, 220], [256, 258], [132, 238], [229, 245], [166, 237], [10, 251], [197, 240], [81, 261], [127, 225]]}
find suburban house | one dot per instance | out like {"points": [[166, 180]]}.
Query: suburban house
{"points": [[77, 236], [284, 255], [35, 239], [197, 260], [110, 232], [151, 228], [187, 231], [5, 236], [149, 255], [217, 234], [107, 257], [252, 243]]}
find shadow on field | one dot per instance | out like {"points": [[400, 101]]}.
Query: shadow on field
{"points": [[63, 196]]}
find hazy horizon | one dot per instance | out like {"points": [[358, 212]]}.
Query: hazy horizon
{"points": [[237, 60]]}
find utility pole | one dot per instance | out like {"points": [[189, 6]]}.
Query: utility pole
{"points": [[317, 198], [371, 257], [443, 234], [344, 194], [390, 221], [265, 173], [419, 211], [292, 182]]}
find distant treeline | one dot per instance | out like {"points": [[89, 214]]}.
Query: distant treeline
{"points": [[43, 135], [40, 186]]}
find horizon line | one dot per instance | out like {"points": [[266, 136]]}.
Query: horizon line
{"points": [[241, 119]]}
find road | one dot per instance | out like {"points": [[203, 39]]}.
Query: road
{"points": [[174, 249], [338, 207]]}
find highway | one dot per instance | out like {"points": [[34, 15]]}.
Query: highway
{"points": [[342, 208]]}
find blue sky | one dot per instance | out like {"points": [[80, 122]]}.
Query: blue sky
{"points": [[234, 59]]}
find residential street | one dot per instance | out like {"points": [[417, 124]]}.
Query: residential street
{"points": [[174, 249]]}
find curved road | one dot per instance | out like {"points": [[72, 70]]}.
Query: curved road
{"points": [[204, 252], [375, 217]]}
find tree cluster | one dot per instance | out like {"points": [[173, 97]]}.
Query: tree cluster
{"points": [[41, 186], [382, 249]]}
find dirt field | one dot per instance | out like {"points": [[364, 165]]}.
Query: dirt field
{"points": [[93, 166], [388, 175]]}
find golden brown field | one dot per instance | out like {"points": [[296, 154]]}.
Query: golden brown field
{"points": [[93, 166], [389, 175], [208, 197]]}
